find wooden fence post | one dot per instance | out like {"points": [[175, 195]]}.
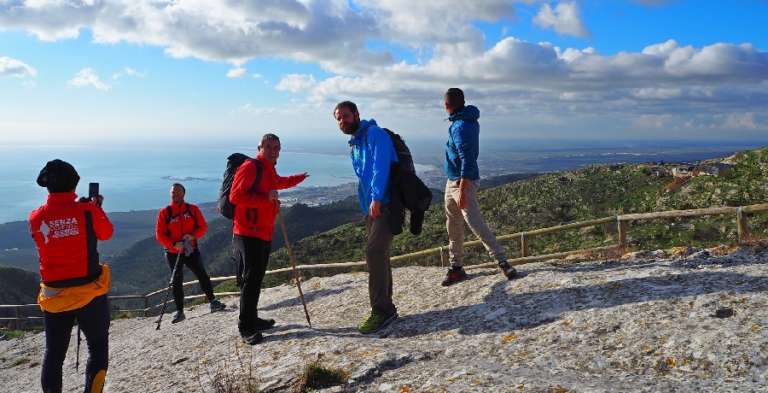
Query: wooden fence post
{"points": [[443, 257], [17, 322], [742, 230], [146, 305], [524, 251], [622, 228]]}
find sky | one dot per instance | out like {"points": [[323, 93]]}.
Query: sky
{"points": [[146, 71]]}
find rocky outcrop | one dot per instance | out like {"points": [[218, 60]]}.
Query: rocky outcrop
{"points": [[674, 321]]}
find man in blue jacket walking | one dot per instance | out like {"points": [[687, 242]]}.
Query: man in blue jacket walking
{"points": [[461, 205], [372, 155]]}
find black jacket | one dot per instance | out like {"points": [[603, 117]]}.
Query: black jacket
{"points": [[407, 192]]}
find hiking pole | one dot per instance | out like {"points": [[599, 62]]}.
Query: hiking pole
{"points": [[168, 292], [77, 351], [293, 267]]}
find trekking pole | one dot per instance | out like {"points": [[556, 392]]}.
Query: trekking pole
{"points": [[168, 291], [293, 267], [77, 351]]}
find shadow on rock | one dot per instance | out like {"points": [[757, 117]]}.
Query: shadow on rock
{"points": [[504, 312]]}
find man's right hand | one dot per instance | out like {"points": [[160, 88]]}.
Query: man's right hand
{"points": [[178, 246], [272, 195]]}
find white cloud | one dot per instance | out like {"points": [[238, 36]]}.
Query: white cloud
{"points": [[564, 18], [296, 83], [256, 75], [237, 72], [88, 78], [15, 68], [128, 71], [233, 31]]}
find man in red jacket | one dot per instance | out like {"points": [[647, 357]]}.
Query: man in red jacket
{"points": [[179, 226], [74, 285], [254, 194]]}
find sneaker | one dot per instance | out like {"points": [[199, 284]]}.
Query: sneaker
{"points": [[179, 317], [252, 339], [375, 322], [454, 275], [264, 324], [508, 270], [216, 305]]}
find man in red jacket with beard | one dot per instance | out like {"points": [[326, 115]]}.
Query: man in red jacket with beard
{"points": [[254, 194], [179, 226]]}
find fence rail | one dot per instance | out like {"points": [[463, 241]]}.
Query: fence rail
{"points": [[740, 213]]}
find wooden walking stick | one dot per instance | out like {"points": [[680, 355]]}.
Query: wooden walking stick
{"points": [[293, 267]]}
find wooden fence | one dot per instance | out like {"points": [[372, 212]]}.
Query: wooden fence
{"points": [[740, 215]]}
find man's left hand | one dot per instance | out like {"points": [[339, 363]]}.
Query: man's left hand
{"points": [[375, 210]]}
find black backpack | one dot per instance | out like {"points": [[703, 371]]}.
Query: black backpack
{"points": [[226, 208], [404, 157]]}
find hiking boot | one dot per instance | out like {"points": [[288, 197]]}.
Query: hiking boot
{"points": [[508, 270], [264, 324], [454, 275], [216, 305], [252, 339], [179, 317], [375, 322]]}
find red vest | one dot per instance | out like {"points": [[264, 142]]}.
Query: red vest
{"points": [[65, 232]]}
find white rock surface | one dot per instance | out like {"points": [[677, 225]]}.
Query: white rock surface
{"points": [[632, 325]]}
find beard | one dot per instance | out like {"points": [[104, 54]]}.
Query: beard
{"points": [[351, 129]]}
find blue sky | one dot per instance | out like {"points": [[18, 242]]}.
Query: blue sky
{"points": [[80, 71]]}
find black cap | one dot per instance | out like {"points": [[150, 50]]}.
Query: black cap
{"points": [[58, 176]]}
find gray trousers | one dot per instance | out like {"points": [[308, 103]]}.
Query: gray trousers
{"points": [[456, 217], [379, 239]]}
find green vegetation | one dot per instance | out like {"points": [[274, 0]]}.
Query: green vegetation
{"points": [[588, 193], [318, 376]]}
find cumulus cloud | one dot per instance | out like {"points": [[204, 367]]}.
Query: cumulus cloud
{"points": [[234, 31], [15, 68], [237, 72], [88, 78], [296, 83], [564, 18]]}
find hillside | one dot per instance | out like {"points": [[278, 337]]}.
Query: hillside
{"points": [[592, 192], [142, 267], [681, 320], [18, 286]]}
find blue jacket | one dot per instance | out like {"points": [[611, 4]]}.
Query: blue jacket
{"points": [[463, 145], [372, 155]]}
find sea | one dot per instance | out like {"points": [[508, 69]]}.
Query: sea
{"points": [[138, 176]]}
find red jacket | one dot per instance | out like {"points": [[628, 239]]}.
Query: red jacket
{"points": [[65, 233], [254, 212], [185, 219]]}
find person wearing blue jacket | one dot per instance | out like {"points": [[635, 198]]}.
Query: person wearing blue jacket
{"points": [[373, 154], [461, 152]]}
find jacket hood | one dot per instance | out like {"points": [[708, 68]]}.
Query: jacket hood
{"points": [[364, 125], [470, 112]]}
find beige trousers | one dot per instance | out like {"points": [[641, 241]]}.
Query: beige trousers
{"points": [[456, 217]]}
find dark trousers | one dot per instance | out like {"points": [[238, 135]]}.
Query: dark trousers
{"points": [[252, 256], [94, 322], [195, 263], [378, 241]]}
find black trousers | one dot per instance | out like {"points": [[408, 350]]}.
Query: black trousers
{"points": [[252, 257], [195, 263], [93, 319]]}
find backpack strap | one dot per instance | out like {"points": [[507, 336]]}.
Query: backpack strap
{"points": [[259, 174], [169, 216]]}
